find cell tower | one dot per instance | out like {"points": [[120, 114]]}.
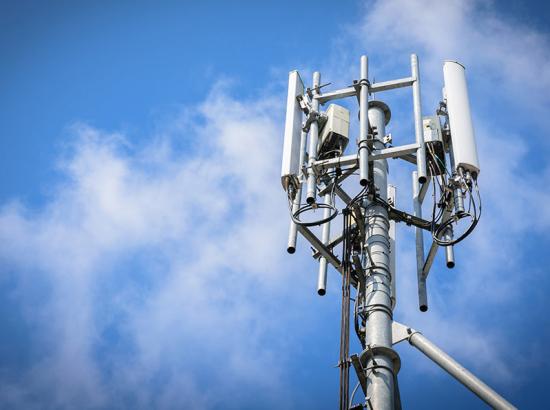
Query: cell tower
{"points": [[315, 160]]}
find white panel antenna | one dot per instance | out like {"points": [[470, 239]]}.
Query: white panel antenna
{"points": [[460, 118], [293, 129]]}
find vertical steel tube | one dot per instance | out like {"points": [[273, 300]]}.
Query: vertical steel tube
{"points": [[293, 229], [418, 130], [422, 294], [322, 278], [450, 256], [311, 195], [380, 381], [448, 364], [363, 123], [449, 251], [325, 237]]}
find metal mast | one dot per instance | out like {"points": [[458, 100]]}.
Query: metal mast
{"points": [[444, 158], [378, 310]]}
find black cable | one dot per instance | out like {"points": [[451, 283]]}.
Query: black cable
{"points": [[308, 207], [356, 304], [295, 217], [474, 215]]}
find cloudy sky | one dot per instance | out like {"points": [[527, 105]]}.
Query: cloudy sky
{"points": [[143, 226]]}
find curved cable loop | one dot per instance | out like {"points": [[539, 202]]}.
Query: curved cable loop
{"points": [[295, 216], [474, 215]]}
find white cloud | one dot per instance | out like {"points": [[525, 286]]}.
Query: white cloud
{"points": [[215, 221], [206, 227]]}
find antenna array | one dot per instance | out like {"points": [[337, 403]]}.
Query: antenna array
{"points": [[315, 161]]}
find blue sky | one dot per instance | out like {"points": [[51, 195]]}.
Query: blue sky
{"points": [[143, 227]]}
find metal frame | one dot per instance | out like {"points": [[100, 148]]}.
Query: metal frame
{"points": [[374, 88], [375, 219]]}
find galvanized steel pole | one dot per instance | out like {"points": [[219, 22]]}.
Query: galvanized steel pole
{"points": [[378, 335], [447, 363]]}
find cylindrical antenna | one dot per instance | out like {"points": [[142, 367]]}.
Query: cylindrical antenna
{"points": [[293, 229], [418, 128], [325, 234], [460, 117], [364, 123], [449, 251], [322, 278], [311, 195], [450, 256]]}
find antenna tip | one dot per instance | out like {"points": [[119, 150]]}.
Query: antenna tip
{"points": [[321, 292], [423, 308], [291, 249], [450, 264]]}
